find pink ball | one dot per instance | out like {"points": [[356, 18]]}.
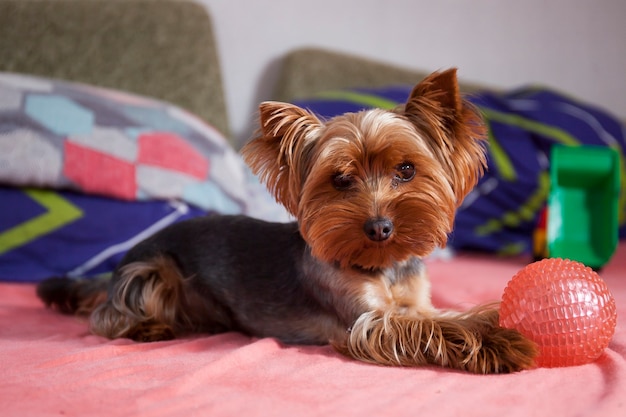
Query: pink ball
{"points": [[564, 307]]}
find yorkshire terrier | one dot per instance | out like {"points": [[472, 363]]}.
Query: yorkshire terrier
{"points": [[374, 192]]}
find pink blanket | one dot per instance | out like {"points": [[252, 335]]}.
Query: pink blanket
{"points": [[51, 366]]}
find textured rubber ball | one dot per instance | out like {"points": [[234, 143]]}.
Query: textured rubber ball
{"points": [[564, 307]]}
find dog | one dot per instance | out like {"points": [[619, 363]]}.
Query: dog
{"points": [[373, 192]]}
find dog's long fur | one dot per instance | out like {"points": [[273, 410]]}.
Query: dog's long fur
{"points": [[374, 192]]}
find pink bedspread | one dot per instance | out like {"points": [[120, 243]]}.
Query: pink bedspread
{"points": [[51, 366]]}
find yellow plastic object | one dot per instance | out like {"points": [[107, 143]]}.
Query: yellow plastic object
{"points": [[582, 222]]}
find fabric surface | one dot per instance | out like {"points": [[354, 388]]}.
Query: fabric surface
{"points": [[46, 233], [308, 71], [162, 49], [502, 212], [50, 366]]}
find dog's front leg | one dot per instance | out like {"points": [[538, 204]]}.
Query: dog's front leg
{"points": [[471, 341]]}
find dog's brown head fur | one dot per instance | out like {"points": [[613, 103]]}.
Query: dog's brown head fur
{"points": [[375, 187]]}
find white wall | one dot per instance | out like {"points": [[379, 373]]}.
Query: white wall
{"points": [[577, 46]]}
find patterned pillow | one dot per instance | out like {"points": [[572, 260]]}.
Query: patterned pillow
{"points": [[63, 135]]}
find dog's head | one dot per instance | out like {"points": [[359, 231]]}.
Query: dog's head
{"points": [[374, 187]]}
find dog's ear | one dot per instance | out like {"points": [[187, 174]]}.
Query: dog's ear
{"points": [[453, 128], [278, 154]]}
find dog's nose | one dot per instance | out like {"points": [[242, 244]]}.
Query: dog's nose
{"points": [[378, 229]]}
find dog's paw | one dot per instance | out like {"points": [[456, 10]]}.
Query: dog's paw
{"points": [[150, 332], [505, 351], [501, 350]]}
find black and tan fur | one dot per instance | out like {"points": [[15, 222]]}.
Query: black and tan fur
{"points": [[373, 192]]}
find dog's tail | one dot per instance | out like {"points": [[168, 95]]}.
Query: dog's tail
{"points": [[74, 296], [142, 301], [146, 303], [471, 341]]}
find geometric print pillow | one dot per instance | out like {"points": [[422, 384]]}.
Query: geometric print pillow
{"points": [[63, 135]]}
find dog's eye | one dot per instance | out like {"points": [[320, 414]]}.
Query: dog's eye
{"points": [[405, 172], [342, 182]]}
